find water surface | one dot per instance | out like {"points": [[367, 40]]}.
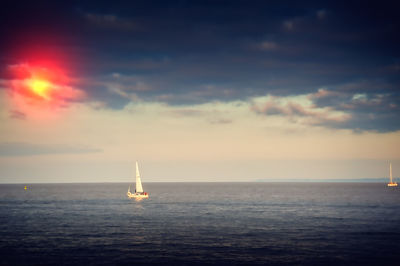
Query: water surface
{"points": [[200, 224]]}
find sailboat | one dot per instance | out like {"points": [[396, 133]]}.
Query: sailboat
{"points": [[391, 183], [139, 194]]}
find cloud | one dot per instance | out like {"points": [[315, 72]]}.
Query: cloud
{"points": [[116, 90], [17, 71], [30, 149], [340, 109], [299, 113], [221, 121], [207, 113], [56, 90], [187, 112], [267, 46], [171, 56], [368, 110], [109, 21], [321, 14], [15, 114], [368, 102], [127, 83], [288, 25]]}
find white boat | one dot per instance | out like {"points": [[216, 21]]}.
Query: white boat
{"points": [[139, 193], [391, 183]]}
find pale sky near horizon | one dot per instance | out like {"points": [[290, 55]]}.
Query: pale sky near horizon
{"points": [[198, 91], [82, 144]]}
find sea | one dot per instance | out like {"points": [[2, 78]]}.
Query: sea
{"points": [[200, 224]]}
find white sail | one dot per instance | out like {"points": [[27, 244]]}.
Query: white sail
{"points": [[139, 187], [391, 178]]}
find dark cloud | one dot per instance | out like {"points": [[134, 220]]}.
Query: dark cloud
{"points": [[297, 113], [110, 22], [376, 110], [182, 52], [350, 106]]}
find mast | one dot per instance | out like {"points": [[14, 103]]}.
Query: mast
{"points": [[139, 187], [391, 178]]}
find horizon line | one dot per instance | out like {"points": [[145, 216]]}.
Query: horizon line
{"points": [[352, 180]]}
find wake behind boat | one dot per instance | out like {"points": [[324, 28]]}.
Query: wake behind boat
{"points": [[139, 194], [391, 183]]}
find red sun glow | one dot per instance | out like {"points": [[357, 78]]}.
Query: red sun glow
{"points": [[40, 87], [43, 86]]}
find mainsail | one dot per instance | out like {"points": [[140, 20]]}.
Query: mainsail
{"points": [[391, 178], [391, 183], [139, 187]]}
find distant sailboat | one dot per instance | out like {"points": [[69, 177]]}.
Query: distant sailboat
{"points": [[391, 183], [139, 194]]}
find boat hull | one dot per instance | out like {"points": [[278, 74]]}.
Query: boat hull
{"points": [[392, 185], [138, 196]]}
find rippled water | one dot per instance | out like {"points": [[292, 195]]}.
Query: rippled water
{"points": [[201, 223]]}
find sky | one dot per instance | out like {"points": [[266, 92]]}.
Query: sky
{"points": [[198, 90]]}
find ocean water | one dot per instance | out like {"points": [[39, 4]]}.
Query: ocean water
{"points": [[201, 224]]}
